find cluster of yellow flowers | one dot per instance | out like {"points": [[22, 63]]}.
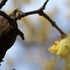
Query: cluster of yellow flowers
{"points": [[62, 48]]}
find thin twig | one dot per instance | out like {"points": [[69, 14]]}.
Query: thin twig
{"points": [[52, 23], [41, 13], [43, 7], [3, 2]]}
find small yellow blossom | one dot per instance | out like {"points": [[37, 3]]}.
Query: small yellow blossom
{"points": [[54, 48], [62, 48]]}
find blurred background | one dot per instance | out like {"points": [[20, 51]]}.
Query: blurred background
{"points": [[32, 53]]}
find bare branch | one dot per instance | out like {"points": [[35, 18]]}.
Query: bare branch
{"points": [[11, 21], [41, 13], [5, 16], [53, 23], [3, 3], [43, 7], [22, 14]]}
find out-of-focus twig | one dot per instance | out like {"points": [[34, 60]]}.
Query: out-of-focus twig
{"points": [[3, 2], [9, 19]]}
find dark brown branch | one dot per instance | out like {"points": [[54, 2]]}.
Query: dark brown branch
{"points": [[43, 7], [5, 15], [52, 22], [11, 21], [3, 3], [41, 13]]}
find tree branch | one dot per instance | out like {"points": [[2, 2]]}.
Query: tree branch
{"points": [[3, 2], [45, 3], [41, 13], [22, 14], [2, 13], [52, 23], [11, 21]]}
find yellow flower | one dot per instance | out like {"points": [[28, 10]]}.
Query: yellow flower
{"points": [[62, 48]]}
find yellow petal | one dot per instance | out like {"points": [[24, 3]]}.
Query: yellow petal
{"points": [[67, 58], [63, 47], [54, 48]]}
